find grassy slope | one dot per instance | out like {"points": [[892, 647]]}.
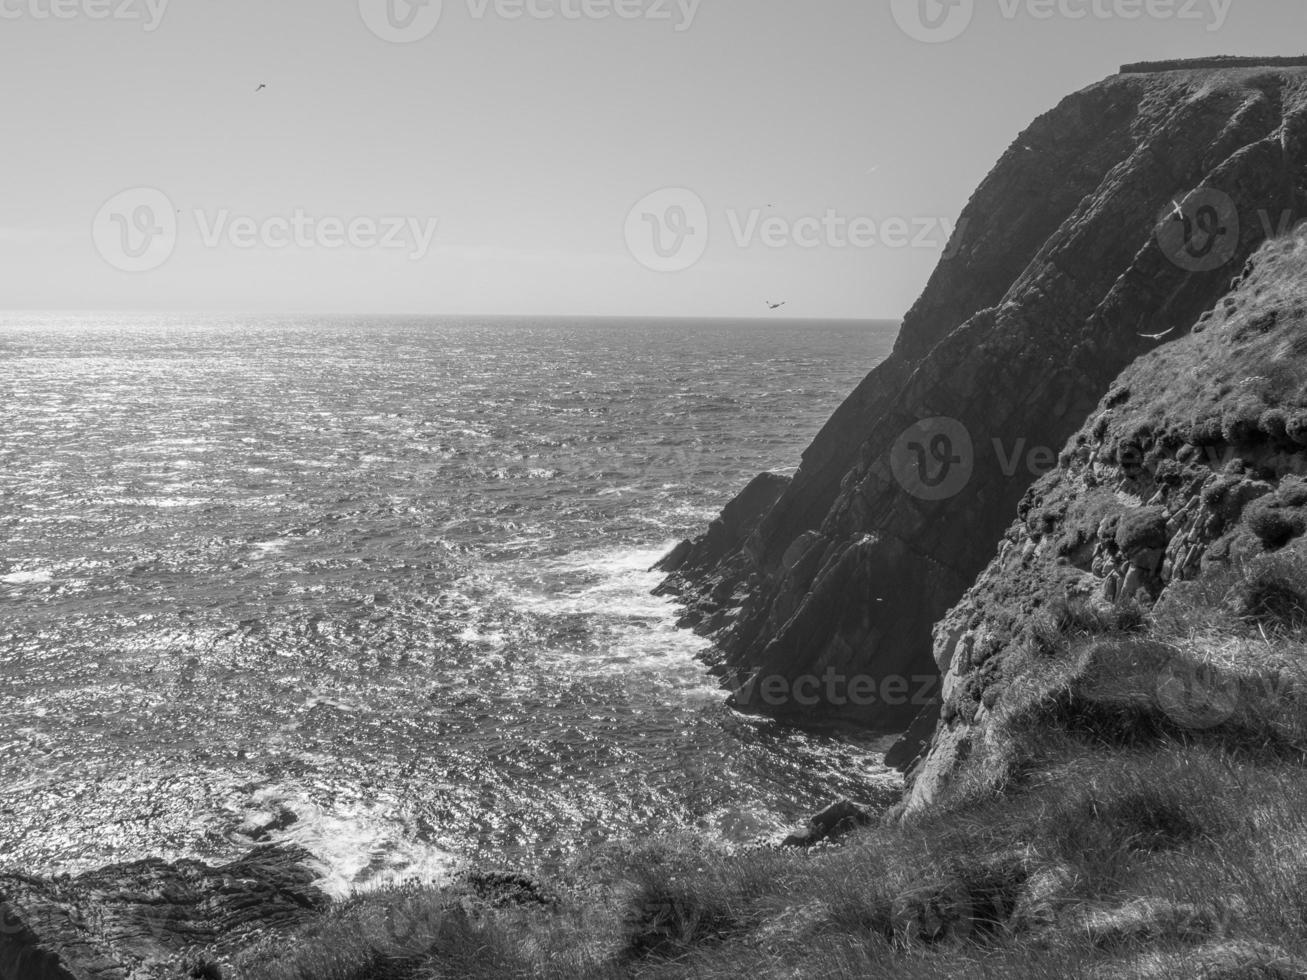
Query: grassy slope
{"points": [[1124, 835], [1148, 817]]}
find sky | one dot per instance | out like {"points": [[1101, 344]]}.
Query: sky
{"points": [[690, 158]]}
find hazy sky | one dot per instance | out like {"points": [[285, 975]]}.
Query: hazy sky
{"points": [[513, 138]]}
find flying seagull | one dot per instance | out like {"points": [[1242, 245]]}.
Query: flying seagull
{"points": [[774, 306], [261, 87], [1158, 336]]}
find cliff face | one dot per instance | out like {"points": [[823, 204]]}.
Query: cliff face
{"points": [[1121, 214], [1187, 488]]}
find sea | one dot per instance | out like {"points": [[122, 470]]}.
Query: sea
{"points": [[382, 587]]}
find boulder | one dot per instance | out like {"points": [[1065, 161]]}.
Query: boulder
{"points": [[913, 743], [837, 820]]}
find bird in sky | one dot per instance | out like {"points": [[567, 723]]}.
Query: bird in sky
{"points": [[774, 306], [262, 86]]}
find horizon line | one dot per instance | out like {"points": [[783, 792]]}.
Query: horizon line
{"points": [[492, 316]]}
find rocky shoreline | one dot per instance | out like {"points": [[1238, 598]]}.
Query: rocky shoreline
{"points": [[150, 918]]}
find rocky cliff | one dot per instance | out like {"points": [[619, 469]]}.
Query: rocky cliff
{"points": [[1183, 495], [1108, 228], [151, 919]]}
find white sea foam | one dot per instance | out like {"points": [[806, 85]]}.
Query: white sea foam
{"points": [[163, 502], [614, 588], [611, 582], [360, 845], [471, 634], [38, 577], [340, 704], [266, 549]]}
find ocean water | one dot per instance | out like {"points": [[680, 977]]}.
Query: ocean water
{"points": [[383, 584]]}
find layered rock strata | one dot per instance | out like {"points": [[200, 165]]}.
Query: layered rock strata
{"points": [[1108, 228]]}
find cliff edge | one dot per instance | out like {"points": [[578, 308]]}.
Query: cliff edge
{"points": [[1108, 228]]}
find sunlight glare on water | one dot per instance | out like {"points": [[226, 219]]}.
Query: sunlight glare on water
{"points": [[382, 587]]}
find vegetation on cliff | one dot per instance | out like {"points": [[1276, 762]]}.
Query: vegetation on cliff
{"points": [[1118, 787], [1183, 493]]}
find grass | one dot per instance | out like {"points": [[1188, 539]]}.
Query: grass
{"points": [[1249, 390], [1145, 817], [1135, 804], [1194, 846]]}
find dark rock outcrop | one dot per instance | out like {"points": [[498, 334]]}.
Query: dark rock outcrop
{"points": [[1221, 62], [833, 822], [913, 743], [728, 533], [1109, 227], [499, 889], [150, 918]]}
